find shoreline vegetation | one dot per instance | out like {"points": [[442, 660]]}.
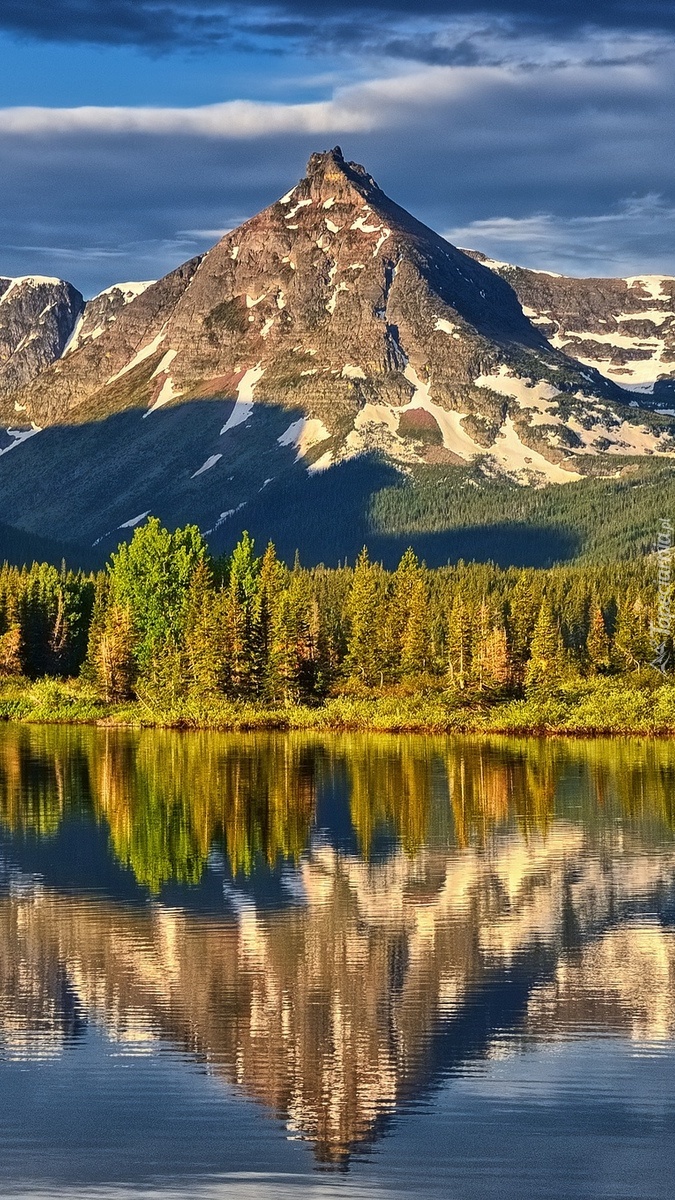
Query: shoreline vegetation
{"points": [[168, 637], [591, 708]]}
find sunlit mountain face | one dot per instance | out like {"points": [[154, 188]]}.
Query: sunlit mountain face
{"points": [[334, 928]]}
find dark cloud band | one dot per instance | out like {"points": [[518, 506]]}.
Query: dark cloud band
{"points": [[171, 24]]}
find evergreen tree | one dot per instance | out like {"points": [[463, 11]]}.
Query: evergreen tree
{"points": [[523, 610], [243, 586], [415, 639], [264, 684], [363, 660], [490, 656], [112, 664], [633, 647], [598, 648], [204, 639], [546, 663], [393, 633], [459, 642]]}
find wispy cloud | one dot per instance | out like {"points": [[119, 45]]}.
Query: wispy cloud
{"points": [[550, 150], [234, 119], [639, 234]]}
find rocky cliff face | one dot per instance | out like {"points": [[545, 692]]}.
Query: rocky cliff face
{"points": [[42, 320], [624, 328], [101, 312], [37, 316]]}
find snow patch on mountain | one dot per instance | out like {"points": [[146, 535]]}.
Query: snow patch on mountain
{"points": [[129, 291], [652, 284], [164, 363], [525, 391], [133, 521], [18, 436], [168, 391], [443, 326], [243, 405], [520, 460], [140, 356], [303, 434], [206, 466], [32, 281]]}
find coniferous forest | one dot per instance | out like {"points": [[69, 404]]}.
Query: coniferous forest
{"points": [[169, 635]]}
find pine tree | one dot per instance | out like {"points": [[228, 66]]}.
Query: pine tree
{"points": [[523, 610], [459, 644], [264, 684], [243, 587], [204, 640], [396, 614], [112, 655], [633, 648], [415, 639], [491, 660], [546, 663], [363, 660], [598, 648]]}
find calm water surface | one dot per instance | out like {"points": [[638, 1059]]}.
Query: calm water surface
{"points": [[359, 966]]}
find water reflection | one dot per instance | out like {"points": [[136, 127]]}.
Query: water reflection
{"points": [[389, 910]]}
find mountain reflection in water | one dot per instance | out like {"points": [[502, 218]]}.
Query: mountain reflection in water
{"points": [[337, 924]]}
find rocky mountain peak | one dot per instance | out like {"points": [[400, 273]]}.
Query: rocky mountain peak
{"points": [[330, 325], [329, 175], [37, 316]]}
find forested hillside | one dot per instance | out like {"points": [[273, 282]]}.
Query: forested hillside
{"points": [[601, 520]]}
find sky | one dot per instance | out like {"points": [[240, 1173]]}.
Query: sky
{"points": [[133, 133]]}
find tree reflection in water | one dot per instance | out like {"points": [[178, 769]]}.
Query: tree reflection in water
{"points": [[491, 891]]}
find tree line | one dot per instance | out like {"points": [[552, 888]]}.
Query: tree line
{"points": [[165, 620]]}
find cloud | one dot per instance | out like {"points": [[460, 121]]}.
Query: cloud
{"points": [[177, 24], [611, 102], [455, 145], [640, 230], [232, 120]]}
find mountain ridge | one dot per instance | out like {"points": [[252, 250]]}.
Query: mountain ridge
{"points": [[330, 326]]}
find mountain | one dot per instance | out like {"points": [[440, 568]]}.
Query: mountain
{"points": [[37, 315], [98, 314], [41, 320], [624, 328], [246, 387]]}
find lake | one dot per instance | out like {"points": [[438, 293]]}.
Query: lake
{"points": [[343, 965]]}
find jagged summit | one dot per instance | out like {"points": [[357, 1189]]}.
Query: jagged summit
{"points": [[329, 169], [331, 324]]}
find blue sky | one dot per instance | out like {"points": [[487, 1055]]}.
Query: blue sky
{"points": [[133, 131]]}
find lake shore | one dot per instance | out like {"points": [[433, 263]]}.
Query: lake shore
{"points": [[642, 706]]}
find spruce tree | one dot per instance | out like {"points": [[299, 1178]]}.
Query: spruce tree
{"points": [[598, 648], [459, 643], [415, 639], [633, 646], [546, 663], [112, 663], [204, 640], [363, 660]]}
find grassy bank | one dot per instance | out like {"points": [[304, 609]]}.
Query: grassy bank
{"points": [[641, 705]]}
